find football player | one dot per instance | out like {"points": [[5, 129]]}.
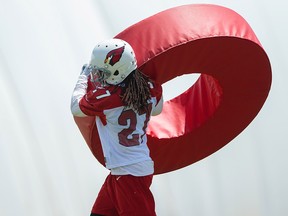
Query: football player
{"points": [[123, 99]]}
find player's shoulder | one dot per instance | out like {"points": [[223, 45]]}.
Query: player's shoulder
{"points": [[106, 97]]}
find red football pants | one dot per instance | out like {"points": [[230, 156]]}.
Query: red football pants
{"points": [[125, 195]]}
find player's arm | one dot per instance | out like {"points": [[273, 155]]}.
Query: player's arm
{"points": [[157, 91], [158, 108], [78, 93]]}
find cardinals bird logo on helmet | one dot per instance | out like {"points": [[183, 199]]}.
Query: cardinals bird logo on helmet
{"points": [[114, 56]]}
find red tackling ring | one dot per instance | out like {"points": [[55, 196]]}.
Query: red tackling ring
{"points": [[234, 83]]}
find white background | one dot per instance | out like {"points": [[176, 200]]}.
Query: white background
{"points": [[46, 168]]}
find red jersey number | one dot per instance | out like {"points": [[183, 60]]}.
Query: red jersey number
{"points": [[129, 118]]}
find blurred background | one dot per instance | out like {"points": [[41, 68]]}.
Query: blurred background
{"points": [[45, 166]]}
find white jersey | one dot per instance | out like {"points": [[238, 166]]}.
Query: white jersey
{"points": [[123, 138], [122, 130]]}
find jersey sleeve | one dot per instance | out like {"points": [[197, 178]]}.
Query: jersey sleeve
{"points": [[96, 100]]}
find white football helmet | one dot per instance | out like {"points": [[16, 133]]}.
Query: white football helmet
{"points": [[112, 61]]}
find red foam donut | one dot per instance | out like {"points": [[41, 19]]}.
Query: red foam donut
{"points": [[234, 83]]}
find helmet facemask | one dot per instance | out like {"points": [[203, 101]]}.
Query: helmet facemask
{"points": [[99, 75]]}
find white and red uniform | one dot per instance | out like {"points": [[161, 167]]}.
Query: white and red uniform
{"points": [[122, 130], [123, 138]]}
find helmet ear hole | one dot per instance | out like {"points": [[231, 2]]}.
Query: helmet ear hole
{"points": [[116, 73]]}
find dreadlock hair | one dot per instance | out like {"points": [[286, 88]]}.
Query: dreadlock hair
{"points": [[136, 91]]}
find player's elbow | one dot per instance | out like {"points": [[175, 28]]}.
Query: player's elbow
{"points": [[76, 111], [158, 109]]}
